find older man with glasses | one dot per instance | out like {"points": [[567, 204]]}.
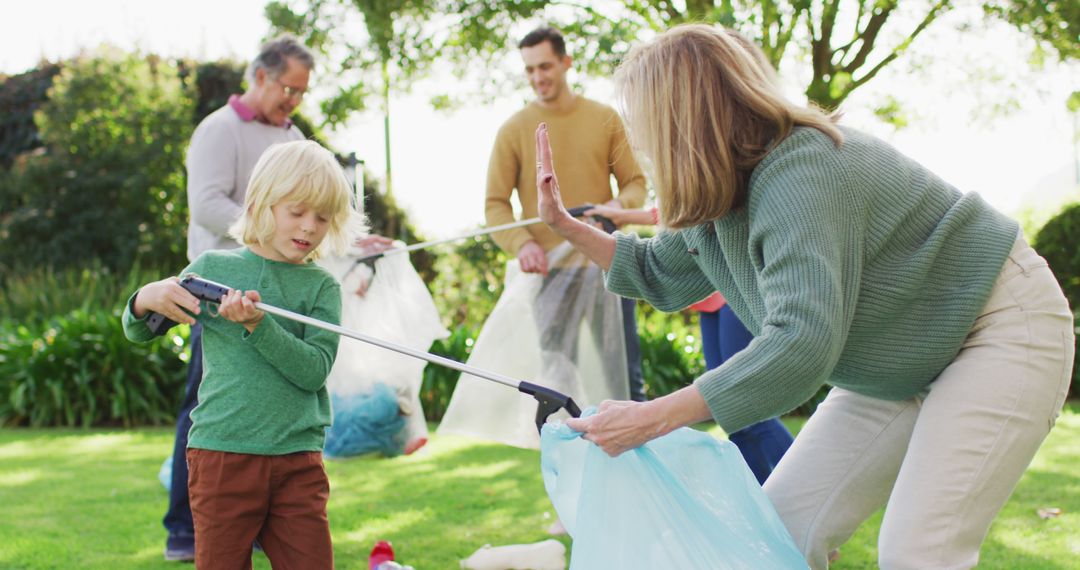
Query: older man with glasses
{"points": [[223, 152]]}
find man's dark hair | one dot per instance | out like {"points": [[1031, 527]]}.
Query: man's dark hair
{"points": [[545, 34]]}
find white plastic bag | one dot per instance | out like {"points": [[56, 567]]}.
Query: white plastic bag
{"points": [[563, 331], [684, 500], [396, 307]]}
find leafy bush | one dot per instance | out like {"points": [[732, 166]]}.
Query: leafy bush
{"points": [[671, 356], [110, 184], [35, 296], [439, 381], [80, 370], [469, 282], [20, 96], [1059, 242]]}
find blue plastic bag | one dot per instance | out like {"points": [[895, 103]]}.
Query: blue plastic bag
{"points": [[685, 500], [165, 473], [366, 423]]}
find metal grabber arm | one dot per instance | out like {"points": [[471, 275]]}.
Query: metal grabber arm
{"points": [[548, 401]]}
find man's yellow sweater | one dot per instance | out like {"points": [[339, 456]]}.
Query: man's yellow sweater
{"points": [[588, 145]]}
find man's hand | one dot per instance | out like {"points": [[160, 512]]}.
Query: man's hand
{"points": [[168, 298], [532, 258], [372, 244], [239, 307]]}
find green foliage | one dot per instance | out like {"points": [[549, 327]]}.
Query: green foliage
{"points": [[35, 296], [110, 185], [20, 96], [64, 359], [671, 356], [1059, 242], [439, 381], [847, 43], [80, 370], [1055, 23], [380, 46], [468, 283], [214, 83]]}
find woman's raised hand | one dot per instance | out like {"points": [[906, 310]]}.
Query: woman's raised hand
{"points": [[549, 201]]}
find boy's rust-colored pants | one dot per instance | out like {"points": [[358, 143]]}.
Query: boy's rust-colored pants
{"points": [[278, 499]]}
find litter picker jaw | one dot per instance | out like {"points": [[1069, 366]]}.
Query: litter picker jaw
{"points": [[548, 401]]}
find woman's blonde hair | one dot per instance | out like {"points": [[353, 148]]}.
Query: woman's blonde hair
{"points": [[703, 105], [305, 172]]}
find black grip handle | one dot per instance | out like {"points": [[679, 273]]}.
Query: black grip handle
{"points": [[548, 402], [606, 223], [202, 289]]}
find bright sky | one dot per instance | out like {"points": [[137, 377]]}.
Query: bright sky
{"points": [[1024, 159]]}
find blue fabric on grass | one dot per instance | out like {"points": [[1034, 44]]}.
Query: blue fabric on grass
{"points": [[366, 423]]}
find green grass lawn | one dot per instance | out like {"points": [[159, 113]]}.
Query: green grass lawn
{"points": [[91, 499]]}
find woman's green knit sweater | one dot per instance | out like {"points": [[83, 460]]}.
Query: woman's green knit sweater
{"points": [[853, 266]]}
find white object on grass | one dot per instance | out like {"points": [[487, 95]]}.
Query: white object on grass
{"points": [[547, 555]]}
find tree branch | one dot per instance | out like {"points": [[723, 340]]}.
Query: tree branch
{"points": [[868, 37], [930, 16]]}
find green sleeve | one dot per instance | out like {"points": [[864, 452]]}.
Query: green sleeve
{"points": [[135, 329], [305, 361], [805, 224], [658, 269]]}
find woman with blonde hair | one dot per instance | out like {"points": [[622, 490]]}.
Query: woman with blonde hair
{"points": [[946, 339]]}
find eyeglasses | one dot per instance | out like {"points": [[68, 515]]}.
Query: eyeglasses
{"points": [[291, 92]]}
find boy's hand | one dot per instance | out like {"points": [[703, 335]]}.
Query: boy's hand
{"points": [[239, 307], [168, 298]]}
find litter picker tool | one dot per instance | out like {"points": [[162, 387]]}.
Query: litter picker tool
{"points": [[577, 212], [548, 401]]}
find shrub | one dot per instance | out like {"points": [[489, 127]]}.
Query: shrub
{"points": [[36, 295], [469, 282], [1059, 242], [20, 96], [80, 370], [110, 184], [439, 381], [671, 356]]}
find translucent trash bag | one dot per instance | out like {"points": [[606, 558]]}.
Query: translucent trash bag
{"points": [[398, 308], [563, 331], [685, 500]]}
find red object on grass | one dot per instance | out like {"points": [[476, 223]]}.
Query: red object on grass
{"points": [[382, 552]]}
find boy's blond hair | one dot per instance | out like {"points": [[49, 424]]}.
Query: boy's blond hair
{"points": [[300, 171], [703, 107]]}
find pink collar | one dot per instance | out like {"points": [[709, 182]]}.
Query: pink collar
{"points": [[247, 114]]}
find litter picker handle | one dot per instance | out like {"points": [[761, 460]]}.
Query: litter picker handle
{"points": [[548, 401], [369, 260], [203, 289]]}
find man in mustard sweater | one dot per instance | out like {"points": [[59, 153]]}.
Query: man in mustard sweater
{"points": [[592, 135]]}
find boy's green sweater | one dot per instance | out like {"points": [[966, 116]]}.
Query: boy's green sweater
{"points": [[854, 266], [262, 393]]}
